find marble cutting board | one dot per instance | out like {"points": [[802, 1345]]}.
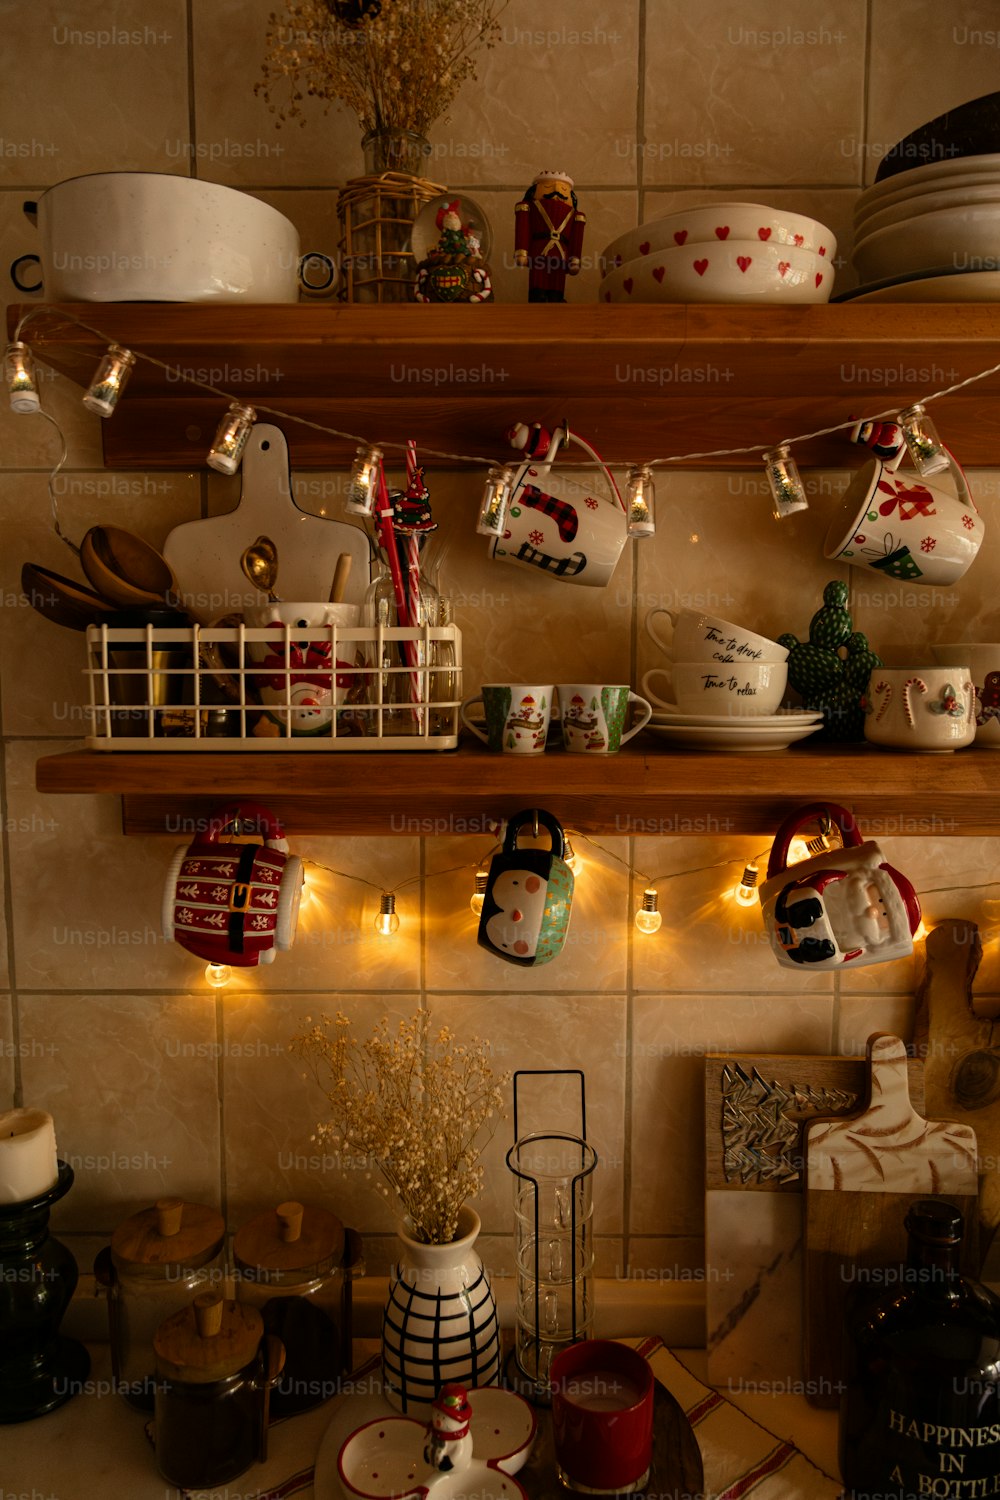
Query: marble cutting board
{"points": [[756, 1108]]}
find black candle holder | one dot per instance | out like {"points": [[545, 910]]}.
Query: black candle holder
{"points": [[39, 1368]]}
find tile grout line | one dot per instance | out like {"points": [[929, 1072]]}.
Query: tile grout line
{"points": [[17, 1098]]}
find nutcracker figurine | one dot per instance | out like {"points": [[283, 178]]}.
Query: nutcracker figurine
{"points": [[548, 236]]}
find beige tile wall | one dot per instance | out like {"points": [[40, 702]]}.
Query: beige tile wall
{"points": [[155, 1082]]}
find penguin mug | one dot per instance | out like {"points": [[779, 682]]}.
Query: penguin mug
{"points": [[529, 892]]}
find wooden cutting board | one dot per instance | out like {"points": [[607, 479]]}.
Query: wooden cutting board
{"points": [[862, 1174], [756, 1108], [205, 555]]}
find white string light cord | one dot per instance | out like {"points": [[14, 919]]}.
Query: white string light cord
{"points": [[183, 376]]}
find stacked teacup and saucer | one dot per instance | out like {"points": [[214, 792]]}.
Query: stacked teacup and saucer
{"points": [[722, 686]]}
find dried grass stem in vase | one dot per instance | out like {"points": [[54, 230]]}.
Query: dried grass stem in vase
{"points": [[420, 1105]]}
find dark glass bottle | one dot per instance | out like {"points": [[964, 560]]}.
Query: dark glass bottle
{"points": [[920, 1415]]}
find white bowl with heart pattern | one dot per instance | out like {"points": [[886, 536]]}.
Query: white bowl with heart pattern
{"points": [[716, 224], [734, 271]]}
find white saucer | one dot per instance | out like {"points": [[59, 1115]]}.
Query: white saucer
{"points": [[789, 717], [727, 736]]}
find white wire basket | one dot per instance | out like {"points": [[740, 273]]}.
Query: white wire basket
{"points": [[281, 687]]}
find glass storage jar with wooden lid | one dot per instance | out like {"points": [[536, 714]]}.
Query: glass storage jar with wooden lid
{"points": [[295, 1264], [158, 1260]]}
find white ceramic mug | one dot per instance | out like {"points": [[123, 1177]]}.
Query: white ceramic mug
{"points": [[696, 636], [984, 662], [729, 689], [293, 671], [593, 717], [921, 708], [517, 716], [556, 525], [905, 526]]}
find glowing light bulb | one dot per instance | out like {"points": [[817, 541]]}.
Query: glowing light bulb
{"points": [[362, 486], [648, 918], [640, 494], [921, 932], [496, 500], [109, 382], [785, 483], [478, 895], [387, 922], [746, 891], [22, 383], [218, 975], [922, 441], [571, 857], [231, 438]]}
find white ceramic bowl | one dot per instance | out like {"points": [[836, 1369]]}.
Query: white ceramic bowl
{"points": [[734, 271], [966, 238], [152, 237], [942, 173], [716, 223], [926, 203]]}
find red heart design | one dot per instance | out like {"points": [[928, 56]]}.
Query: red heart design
{"points": [[743, 261], [723, 232], [659, 272], [680, 236], [819, 278], [644, 248], [798, 239], [701, 266], [763, 234], [822, 249], [628, 285], [783, 266]]}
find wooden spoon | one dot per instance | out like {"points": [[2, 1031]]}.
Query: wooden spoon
{"points": [[260, 566], [61, 600], [125, 569], [341, 574]]}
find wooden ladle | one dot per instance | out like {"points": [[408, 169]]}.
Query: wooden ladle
{"points": [[125, 569], [260, 566], [61, 599]]}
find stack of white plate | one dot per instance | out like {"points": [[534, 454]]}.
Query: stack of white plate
{"points": [[721, 252], [935, 222], [742, 733]]}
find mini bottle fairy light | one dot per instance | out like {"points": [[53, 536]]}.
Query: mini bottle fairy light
{"points": [[231, 438], [922, 441], [639, 497], [787, 492], [111, 379], [20, 379], [362, 486], [495, 501]]}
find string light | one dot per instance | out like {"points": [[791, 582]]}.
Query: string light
{"points": [[571, 857], [923, 444], [746, 892], [218, 975], [479, 893], [495, 503], [387, 921], [362, 486], [231, 438], [787, 490], [111, 379], [20, 379], [648, 918], [640, 493]]}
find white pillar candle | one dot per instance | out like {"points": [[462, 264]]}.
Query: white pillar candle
{"points": [[28, 1162]]}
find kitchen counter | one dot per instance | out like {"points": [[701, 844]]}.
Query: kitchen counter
{"points": [[96, 1445]]}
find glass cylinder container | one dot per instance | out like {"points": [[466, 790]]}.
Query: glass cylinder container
{"points": [[553, 1247], [157, 1262], [295, 1264], [398, 678], [215, 1368]]}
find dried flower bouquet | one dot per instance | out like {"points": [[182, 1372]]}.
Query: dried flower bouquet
{"points": [[419, 1105]]}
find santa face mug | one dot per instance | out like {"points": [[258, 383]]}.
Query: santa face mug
{"points": [[517, 716], [905, 526], [593, 717]]}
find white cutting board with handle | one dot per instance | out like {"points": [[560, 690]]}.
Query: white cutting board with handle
{"points": [[205, 555]]}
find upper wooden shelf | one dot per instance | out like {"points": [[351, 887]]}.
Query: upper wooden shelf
{"points": [[640, 382], [643, 791]]}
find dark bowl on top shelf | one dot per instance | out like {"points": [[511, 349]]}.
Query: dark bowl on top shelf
{"points": [[970, 129]]}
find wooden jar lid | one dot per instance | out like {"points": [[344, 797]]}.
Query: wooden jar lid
{"points": [[208, 1340], [291, 1237], [172, 1232]]}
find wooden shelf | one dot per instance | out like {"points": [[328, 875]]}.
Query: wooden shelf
{"points": [[643, 791], [639, 381]]}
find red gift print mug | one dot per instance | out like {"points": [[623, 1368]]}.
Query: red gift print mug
{"points": [[231, 903]]}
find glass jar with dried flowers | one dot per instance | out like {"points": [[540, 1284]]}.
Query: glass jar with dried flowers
{"points": [[420, 1106], [398, 65]]}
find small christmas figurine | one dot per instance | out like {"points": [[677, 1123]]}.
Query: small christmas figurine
{"points": [[455, 271], [449, 1441], [548, 236], [411, 508], [830, 671]]}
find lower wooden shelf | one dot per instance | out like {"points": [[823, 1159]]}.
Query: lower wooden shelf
{"points": [[644, 791]]}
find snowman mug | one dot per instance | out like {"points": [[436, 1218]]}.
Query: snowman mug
{"points": [[526, 905], [517, 716], [593, 717]]}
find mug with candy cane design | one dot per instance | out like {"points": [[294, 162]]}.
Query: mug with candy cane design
{"points": [[931, 709]]}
